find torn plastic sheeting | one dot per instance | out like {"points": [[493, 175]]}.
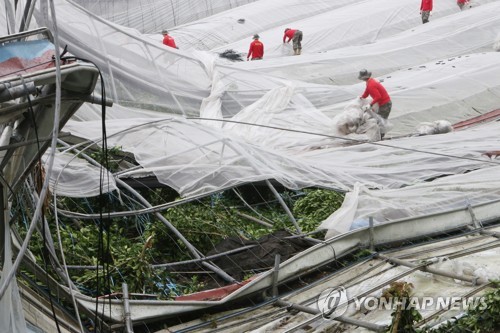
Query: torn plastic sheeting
{"points": [[384, 206], [75, 177]]}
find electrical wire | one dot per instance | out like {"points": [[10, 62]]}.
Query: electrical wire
{"points": [[103, 224], [38, 180], [43, 191], [103, 206]]}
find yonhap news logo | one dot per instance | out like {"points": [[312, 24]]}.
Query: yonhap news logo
{"points": [[333, 302]]}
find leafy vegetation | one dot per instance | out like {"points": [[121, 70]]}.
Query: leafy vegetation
{"points": [[404, 316], [484, 317], [132, 244], [315, 207], [480, 319], [114, 158]]}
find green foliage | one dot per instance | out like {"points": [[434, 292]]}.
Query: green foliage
{"points": [[484, 318], [193, 285], [280, 220], [404, 316], [315, 207], [363, 253], [128, 258], [159, 196], [207, 222], [132, 262], [113, 161], [137, 242]]}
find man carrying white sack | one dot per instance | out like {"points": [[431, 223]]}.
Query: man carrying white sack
{"points": [[360, 125], [381, 101]]}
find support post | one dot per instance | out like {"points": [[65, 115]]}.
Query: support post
{"points": [[191, 248], [285, 207], [425, 268], [253, 219], [126, 309], [183, 239], [277, 260], [372, 234], [475, 222]]}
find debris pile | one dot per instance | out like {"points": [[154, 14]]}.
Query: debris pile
{"points": [[231, 55], [436, 127], [357, 124]]}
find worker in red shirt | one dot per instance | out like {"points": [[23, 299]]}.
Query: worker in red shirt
{"points": [[168, 40], [381, 102], [294, 35], [462, 3], [426, 10], [256, 50]]}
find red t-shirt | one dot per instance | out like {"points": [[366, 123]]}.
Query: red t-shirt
{"points": [[377, 92], [426, 5], [256, 49], [169, 41], [288, 34]]}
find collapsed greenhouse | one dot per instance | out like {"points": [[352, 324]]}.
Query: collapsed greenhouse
{"points": [[154, 189]]}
